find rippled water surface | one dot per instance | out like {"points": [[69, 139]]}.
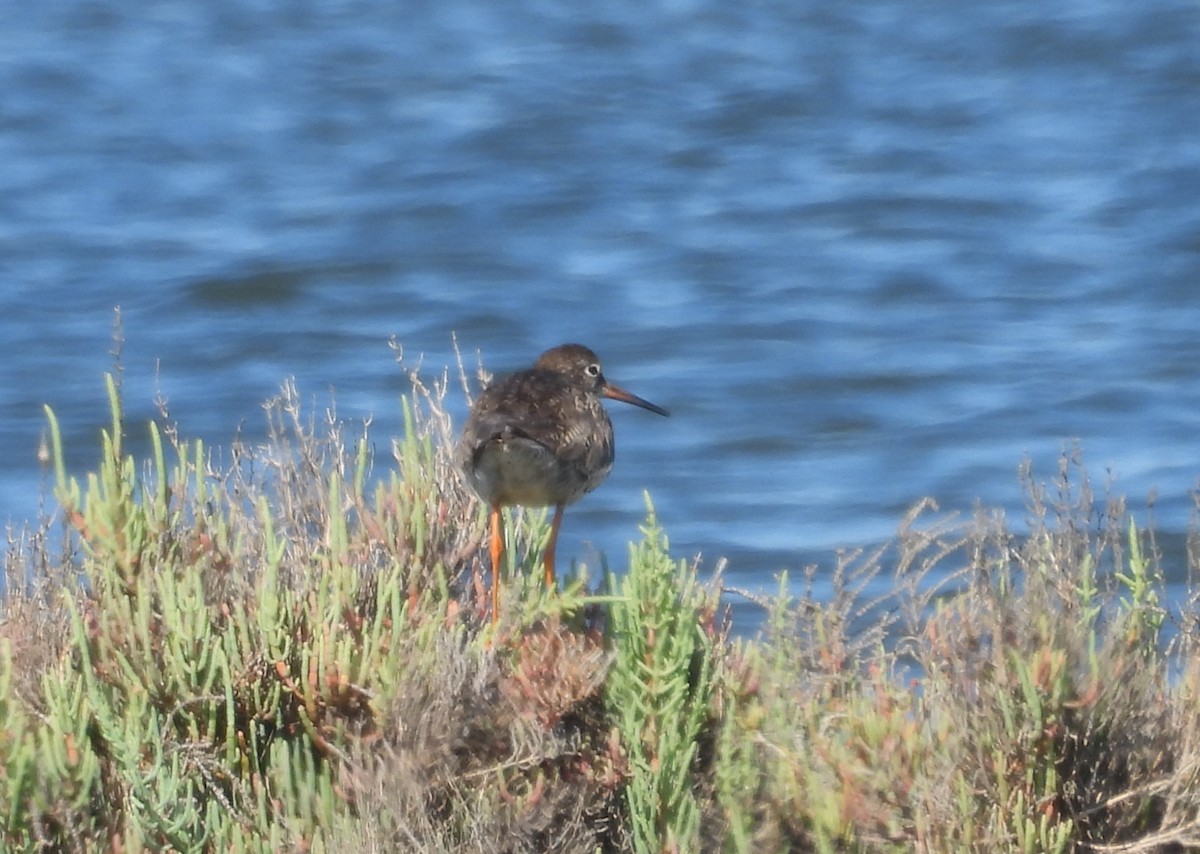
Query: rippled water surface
{"points": [[865, 252]]}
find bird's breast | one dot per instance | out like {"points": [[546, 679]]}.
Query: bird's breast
{"points": [[515, 470]]}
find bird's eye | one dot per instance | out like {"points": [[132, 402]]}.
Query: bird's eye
{"points": [[592, 370]]}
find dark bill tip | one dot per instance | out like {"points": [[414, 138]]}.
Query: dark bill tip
{"points": [[618, 393]]}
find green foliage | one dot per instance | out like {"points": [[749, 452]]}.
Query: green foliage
{"points": [[1143, 615], [736, 769], [659, 689], [200, 698]]}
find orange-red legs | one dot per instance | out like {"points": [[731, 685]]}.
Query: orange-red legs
{"points": [[497, 550], [497, 553]]}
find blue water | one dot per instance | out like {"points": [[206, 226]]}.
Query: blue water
{"points": [[865, 252]]}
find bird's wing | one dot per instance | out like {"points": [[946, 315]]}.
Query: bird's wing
{"points": [[525, 405]]}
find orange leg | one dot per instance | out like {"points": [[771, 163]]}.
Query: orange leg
{"points": [[548, 558], [497, 549]]}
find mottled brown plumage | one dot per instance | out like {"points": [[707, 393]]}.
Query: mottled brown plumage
{"points": [[541, 438]]}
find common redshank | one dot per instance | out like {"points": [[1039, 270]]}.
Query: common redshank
{"points": [[541, 438]]}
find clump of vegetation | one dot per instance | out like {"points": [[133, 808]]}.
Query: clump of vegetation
{"points": [[284, 652]]}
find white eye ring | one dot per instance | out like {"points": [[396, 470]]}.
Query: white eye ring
{"points": [[592, 370]]}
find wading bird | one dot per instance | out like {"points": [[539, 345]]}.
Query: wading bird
{"points": [[541, 438]]}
